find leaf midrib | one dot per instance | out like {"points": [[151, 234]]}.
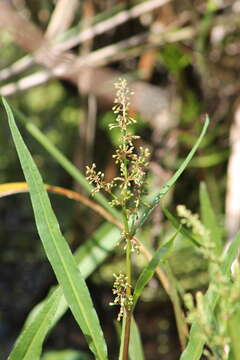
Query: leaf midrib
{"points": [[26, 156], [63, 262]]}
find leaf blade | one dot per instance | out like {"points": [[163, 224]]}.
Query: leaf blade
{"points": [[195, 345], [160, 255], [183, 230], [209, 219], [135, 343], [57, 249], [88, 256], [165, 188]]}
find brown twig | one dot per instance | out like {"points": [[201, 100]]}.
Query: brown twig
{"points": [[21, 187]]}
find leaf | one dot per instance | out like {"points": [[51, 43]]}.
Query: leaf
{"points": [[65, 355], [57, 249], [88, 257], [209, 219], [182, 229], [161, 254], [195, 344], [135, 344], [29, 345], [234, 331], [165, 188]]}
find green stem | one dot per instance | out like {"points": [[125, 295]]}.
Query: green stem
{"points": [[128, 312], [128, 265], [127, 329]]}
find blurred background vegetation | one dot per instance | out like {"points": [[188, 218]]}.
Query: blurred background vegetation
{"points": [[59, 60]]}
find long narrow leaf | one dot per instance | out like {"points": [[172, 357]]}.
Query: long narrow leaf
{"points": [[173, 179], [29, 344], [135, 344], [209, 219], [183, 230], [234, 331], [57, 249], [195, 345], [160, 255], [88, 257], [65, 355]]}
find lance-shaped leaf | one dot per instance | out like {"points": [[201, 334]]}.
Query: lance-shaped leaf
{"points": [[161, 254], [195, 345], [209, 220], [183, 230], [57, 249], [135, 344], [172, 180], [47, 313]]}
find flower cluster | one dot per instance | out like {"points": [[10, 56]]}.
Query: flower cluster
{"points": [[129, 186], [192, 221], [121, 288], [216, 333], [97, 178], [121, 107], [132, 162]]}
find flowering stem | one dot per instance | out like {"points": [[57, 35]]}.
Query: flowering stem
{"points": [[128, 312], [128, 315]]}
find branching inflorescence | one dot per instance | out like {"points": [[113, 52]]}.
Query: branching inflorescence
{"points": [[126, 189], [132, 163]]}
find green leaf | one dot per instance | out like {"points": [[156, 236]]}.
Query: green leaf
{"points": [[195, 345], [57, 249], [65, 355], [173, 179], [135, 344], [161, 254], [234, 331], [209, 219], [88, 257], [30, 341], [183, 230]]}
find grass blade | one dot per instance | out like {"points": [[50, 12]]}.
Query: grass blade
{"points": [[161, 254], [29, 344], [234, 331], [57, 249], [88, 257], [209, 219], [135, 344], [183, 230], [65, 355], [195, 345], [173, 179]]}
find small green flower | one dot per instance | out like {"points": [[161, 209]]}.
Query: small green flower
{"points": [[120, 289], [132, 162]]}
